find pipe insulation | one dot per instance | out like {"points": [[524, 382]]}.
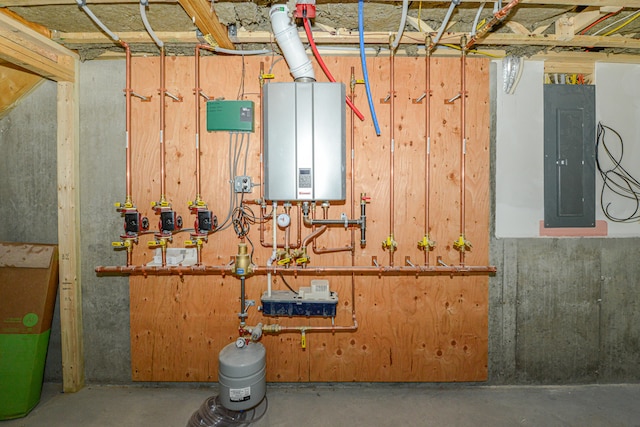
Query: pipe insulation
{"points": [[286, 34]]}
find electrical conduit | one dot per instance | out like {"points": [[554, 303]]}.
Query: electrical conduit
{"points": [[147, 26], [452, 6], [403, 22]]}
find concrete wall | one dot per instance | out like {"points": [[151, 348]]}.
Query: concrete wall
{"points": [[561, 310]]}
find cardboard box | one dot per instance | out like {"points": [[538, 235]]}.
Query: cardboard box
{"points": [[28, 288]]}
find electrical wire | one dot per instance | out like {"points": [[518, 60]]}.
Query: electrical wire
{"points": [[616, 180], [633, 16], [241, 88], [285, 282], [478, 52], [593, 24]]}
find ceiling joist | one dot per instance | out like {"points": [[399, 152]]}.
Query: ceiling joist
{"points": [[205, 18], [23, 46], [378, 38]]}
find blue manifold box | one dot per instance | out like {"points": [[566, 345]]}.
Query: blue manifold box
{"points": [[316, 300]]}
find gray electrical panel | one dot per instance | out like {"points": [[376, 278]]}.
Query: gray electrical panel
{"points": [[569, 155], [304, 141]]}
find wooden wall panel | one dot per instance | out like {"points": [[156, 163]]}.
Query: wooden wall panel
{"points": [[410, 329]]}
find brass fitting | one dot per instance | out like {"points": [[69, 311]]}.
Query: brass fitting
{"points": [[426, 244], [462, 244], [242, 266], [389, 243]]}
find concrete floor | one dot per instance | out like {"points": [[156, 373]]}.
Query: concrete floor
{"points": [[349, 405]]}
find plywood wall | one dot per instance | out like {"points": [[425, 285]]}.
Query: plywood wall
{"points": [[410, 328]]}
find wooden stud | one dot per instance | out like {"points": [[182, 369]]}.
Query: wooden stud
{"points": [[69, 236]]}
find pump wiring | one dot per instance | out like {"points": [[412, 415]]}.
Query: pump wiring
{"points": [[617, 179], [285, 282]]}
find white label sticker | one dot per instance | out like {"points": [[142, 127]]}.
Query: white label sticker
{"points": [[240, 394]]}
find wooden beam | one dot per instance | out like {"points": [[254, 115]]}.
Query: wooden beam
{"points": [[15, 83], [36, 27], [69, 235], [24, 3], [381, 37], [207, 21], [129, 37], [32, 51]]}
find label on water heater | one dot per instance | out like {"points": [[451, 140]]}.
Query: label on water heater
{"points": [[239, 394]]}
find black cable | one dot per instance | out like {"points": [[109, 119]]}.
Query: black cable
{"points": [[285, 282], [616, 180]]}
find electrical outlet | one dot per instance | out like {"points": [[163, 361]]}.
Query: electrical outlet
{"points": [[242, 184]]}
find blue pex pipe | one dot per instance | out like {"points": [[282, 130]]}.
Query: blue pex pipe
{"points": [[363, 58]]}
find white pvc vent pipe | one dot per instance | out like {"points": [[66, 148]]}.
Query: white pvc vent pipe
{"points": [[286, 34]]}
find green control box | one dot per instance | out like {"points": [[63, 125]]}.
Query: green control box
{"points": [[231, 116]]}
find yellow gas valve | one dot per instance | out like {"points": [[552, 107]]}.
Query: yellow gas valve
{"points": [[426, 244], [462, 244], [389, 243]]}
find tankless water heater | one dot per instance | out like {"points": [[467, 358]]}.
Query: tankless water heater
{"points": [[304, 141]]}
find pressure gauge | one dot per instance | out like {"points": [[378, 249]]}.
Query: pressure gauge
{"points": [[240, 342], [283, 220]]}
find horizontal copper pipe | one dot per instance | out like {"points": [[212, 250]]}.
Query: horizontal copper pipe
{"points": [[204, 270]]}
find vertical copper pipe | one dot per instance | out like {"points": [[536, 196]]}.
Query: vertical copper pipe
{"points": [[353, 168], [463, 127], [353, 197], [197, 91], [392, 155], [261, 78], [427, 159], [163, 90], [127, 94]]}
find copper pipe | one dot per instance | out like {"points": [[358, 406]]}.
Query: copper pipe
{"points": [[127, 94], [319, 251], [261, 79], [206, 270], [163, 91], [197, 91], [280, 245], [463, 127], [497, 17], [129, 256], [353, 156], [313, 236], [427, 166], [278, 329], [392, 155]]}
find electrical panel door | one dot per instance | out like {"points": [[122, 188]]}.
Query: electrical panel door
{"points": [[569, 155]]}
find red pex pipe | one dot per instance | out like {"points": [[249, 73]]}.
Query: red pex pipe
{"points": [[314, 48]]}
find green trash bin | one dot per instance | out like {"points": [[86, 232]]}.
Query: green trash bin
{"points": [[28, 287]]}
